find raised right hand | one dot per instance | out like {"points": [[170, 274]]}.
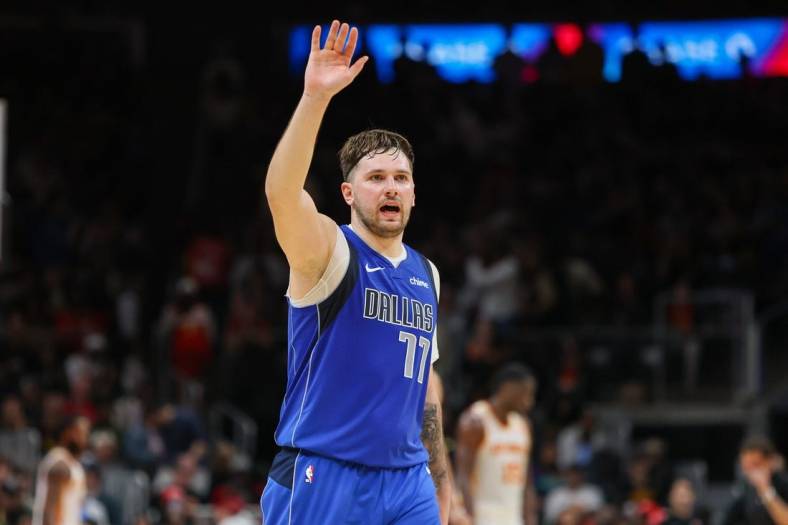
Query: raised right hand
{"points": [[328, 70]]}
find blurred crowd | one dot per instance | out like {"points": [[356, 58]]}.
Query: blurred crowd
{"points": [[141, 286]]}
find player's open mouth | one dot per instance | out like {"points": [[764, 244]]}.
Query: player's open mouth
{"points": [[389, 210]]}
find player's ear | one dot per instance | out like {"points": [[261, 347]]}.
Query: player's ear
{"points": [[347, 192]]}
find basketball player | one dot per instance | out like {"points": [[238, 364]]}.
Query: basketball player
{"points": [[60, 487], [493, 446], [360, 424]]}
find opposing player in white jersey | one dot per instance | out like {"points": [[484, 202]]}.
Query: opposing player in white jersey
{"points": [[494, 445], [60, 486]]}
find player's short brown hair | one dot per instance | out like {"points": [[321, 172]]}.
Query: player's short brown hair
{"points": [[372, 142]]}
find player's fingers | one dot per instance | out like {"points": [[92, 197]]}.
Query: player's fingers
{"points": [[332, 35], [342, 38], [356, 68], [316, 39], [351, 43]]}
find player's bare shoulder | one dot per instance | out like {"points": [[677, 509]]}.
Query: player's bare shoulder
{"points": [[309, 268], [470, 428]]}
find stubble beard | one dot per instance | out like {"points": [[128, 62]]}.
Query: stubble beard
{"points": [[381, 231]]}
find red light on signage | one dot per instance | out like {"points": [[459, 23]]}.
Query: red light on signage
{"points": [[568, 37], [776, 64]]}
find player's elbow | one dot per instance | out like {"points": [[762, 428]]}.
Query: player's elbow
{"points": [[273, 191], [276, 186], [278, 197]]}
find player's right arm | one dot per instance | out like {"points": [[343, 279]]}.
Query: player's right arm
{"points": [[306, 236], [470, 434], [57, 479]]}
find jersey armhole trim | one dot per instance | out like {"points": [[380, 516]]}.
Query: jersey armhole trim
{"points": [[435, 280], [335, 271], [329, 309]]}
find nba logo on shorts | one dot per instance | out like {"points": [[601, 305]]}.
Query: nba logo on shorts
{"points": [[309, 474]]}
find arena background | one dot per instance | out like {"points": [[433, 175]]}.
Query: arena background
{"points": [[627, 240]]}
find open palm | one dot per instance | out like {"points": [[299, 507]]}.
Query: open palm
{"points": [[329, 70]]}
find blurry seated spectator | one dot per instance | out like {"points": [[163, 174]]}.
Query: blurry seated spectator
{"points": [[113, 475], [183, 430], [230, 510], [539, 296], [761, 498], [14, 505], [99, 508], [573, 516], [178, 507], [578, 442], [682, 509], [649, 512], [187, 474], [492, 280], [480, 346], [143, 445], [80, 400], [574, 494], [640, 488], [19, 442], [208, 261], [660, 472], [187, 331], [168, 430], [18, 340], [546, 474]]}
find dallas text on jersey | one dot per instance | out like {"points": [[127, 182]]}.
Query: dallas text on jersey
{"points": [[393, 309]]}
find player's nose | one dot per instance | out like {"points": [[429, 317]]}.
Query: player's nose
{"points": [[391, 186]]}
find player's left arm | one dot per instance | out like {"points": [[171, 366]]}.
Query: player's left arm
{"points": [[530, 503], [530, 498], [432, 436]]}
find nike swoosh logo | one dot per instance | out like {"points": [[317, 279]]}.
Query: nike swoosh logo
{"points": [[370, 270]]}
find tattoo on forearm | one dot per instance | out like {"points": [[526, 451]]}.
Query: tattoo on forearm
{"points": [[432, 436]]}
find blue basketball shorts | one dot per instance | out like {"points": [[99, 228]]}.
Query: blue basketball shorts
{"points": [[307, 489]]}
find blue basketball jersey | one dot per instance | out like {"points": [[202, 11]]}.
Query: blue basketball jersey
{"points": [[359, 361]]}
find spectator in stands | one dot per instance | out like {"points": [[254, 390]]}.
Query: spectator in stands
{"points": [[578, 442], [187, 333], [143, 444], [492, 280], [178, 506], [660, 469], [575, 495], [186, 474], [99, 508], [682, 509], [113, 476], [761, 499], [19, 442], [14, 498], [640, 488], [80, 401], [546, 474]]}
